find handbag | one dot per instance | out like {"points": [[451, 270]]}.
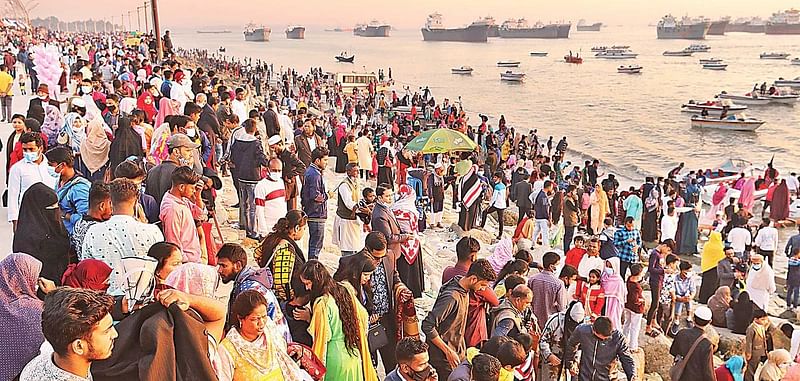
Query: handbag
{"points": [[377, 337], [307, 360], [676, 371]]}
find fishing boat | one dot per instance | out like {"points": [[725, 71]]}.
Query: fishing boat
{"points": [[508, 64], [715, 66], [616, 54], [574, 59], [343, 57], [538, 54], [221, 49], [630, 69], [510, 76], [698, 48], [461, 70], [749, 99], [794, 83], [795, 61], [712, 107], [731, 123], [678, 53], [712, 60], [774, 56]]}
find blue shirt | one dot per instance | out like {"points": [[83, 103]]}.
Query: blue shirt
{"points": [[625, 248], [73, 199]]}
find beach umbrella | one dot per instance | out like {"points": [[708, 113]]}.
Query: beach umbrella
{"points": [[440, 140]]}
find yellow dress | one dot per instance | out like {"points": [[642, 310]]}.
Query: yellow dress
{"points": [[245, 371]]}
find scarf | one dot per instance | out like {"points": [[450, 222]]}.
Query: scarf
{"points": [[470, 187], [89, 273], [53, 122], [772, 370], [94, 149], [721, 299], [195, 279], [407, 216], [735, 365], [713, 252], [166, 107], [20, 312], [76, 137]]}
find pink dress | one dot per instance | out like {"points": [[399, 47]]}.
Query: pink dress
{"points": [[614, 289]]}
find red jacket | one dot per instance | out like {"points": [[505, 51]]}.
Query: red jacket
{"points": [[723, 374]]}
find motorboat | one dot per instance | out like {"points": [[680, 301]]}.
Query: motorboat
{"points": [[795, 61], [461, 70], [787, 98], [221, 49], [538, 54], [749, 99], [794, 83], [712, 107], [730, 123], [698, 48], [715, 66], [508, 64], [630, 69], [616, 54], [729, 170], [576, 59], [343, 57], [774, 56], [510, 76], [707, 193], [710, 60], [678, 53]]}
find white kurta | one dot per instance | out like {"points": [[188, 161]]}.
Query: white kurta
{"points": [[761, 285], [364, 147], [347, 233], [270, 204]]}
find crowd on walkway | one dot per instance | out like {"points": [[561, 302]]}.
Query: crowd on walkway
{"points": [[113, 174]]}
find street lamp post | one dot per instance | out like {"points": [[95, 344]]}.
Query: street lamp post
{"points": [[157, 30]]}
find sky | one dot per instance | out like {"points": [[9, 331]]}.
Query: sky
{"points": [[411, 14]]}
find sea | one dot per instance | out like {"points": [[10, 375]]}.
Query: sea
{"points": [[632, 123]]}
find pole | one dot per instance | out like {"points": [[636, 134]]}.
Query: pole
{"points": [[113, 26], [138, 19], [130, 25], [146, 26], [122, 21], [157, 31]]}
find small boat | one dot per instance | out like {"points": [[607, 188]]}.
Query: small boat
{"points": [[678, 53], [728, 170], [749, 99], [508, 64], [715, 66], [576, 59], [710, 60], [461, 70], [795, 61], [630, 69], [616, 55], [510, 76], [538, 54], [787, 99], [221, 49], [788, 82], [698, 48], [343, 57], [712, 107], [731, 123], [774, 56]]}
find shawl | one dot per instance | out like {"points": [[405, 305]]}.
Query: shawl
{"points": [[166, 107], [195, 279], [748, 194], [712, 252], [719, 194], [772, 370], [735, 365], [781, 200], [407, 215], [76, 137], [266, 353], [721, 300], [94, 149], [613, 285], [20, 312], [53, 122], [89, 273], [501, 255], [762, 279], [158, 143], [687, 233], [126, 105], [470, 187]]}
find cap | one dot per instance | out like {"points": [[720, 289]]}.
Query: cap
{"points": [[703, 313], [274, 139], [78, 102], [438, 165], [181, 140]]}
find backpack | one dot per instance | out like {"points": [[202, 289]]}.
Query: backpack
{"points": [[607, 248]]}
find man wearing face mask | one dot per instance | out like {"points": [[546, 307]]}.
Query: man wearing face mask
{"points": [[159, 179], [37, 103], [412, 362], [270, 195], [601, 345], [112, 114], [72, 189], [248, 157], [33, 168]]}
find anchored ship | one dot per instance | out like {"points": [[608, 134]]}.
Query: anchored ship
{"points": [[434, 30], [671, 28], [519, 28], [373, 29], [296, 32], [751, 25], [563, 30], [256, 33], [583, 27], [719, 27], [494, 29], [787, 22]]}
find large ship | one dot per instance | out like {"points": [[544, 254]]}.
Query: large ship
{"points": [[686, 28], [584, 27], [787, 22], [719, 27], [521, 29], [747, 25], [563, 29], [494, 29], [434, 30], [253, 32], [296, 32], [373, 29]]}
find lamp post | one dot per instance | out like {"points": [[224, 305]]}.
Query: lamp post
{"points": [[157, 30]]}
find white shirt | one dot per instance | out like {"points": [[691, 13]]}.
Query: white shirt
{"points": [[42, 368], [347, 233], [270, 204], [794, 186], [669, 227], [119, 237], [22, 175], [239, 109], [739, 238], [287, 129], [767, 239]]}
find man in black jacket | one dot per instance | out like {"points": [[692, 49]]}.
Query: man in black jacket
{"points": [[273, 124], [247, 156], [292, 168], [601, 345], [521, 194], [699, 364], [37, 103]]}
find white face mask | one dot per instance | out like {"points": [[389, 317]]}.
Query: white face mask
{"points": [[86, 89], [191, 132]]}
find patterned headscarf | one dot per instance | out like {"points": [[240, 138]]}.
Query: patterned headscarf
{"points": [[53, 121], [20, 312], [195, 279]]}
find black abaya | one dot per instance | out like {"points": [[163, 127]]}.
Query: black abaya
{"points": [[41, 233], [650, 226], [413, 276], [708, 285]]}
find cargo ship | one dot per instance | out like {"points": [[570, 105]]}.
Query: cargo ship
{"points": [[719, 27], [434, 30], [296, 32], [787, 22], [583, 27], [256, 33], [686, 28], [494, 29], [519, 28], [373, 29], [563, 30], [744, 25]]}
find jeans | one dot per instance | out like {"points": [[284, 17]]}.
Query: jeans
{"points": [[541, 227], [5, 105], [793, 296], [569, 232], [486, 214], [247, 207], [316, 235], [623, 268]]}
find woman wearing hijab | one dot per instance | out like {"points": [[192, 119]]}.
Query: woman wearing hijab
{"points": [[731, 370], [127, 142], [719, 304], [94, 151], [340, 137], [409, 265], [687, 232], [741, 314], [614, 290], [166, 107], [713, 252], [717, 201], [53, 121], [598, 208], [41, 232], [760, 282], [781, 200], [74, 133], [778, 362], [748, 195], [20, 313], [91, 274]]}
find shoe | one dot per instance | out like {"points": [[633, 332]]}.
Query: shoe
{"points": [[235, 206]]}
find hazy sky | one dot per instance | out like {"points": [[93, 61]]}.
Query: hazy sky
{"points": [[404, 14]]}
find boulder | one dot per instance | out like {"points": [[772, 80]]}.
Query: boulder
{"points": [[652, 377], [479, 234], [510, 218], [656, 354], [730, 344], [640, 361]]}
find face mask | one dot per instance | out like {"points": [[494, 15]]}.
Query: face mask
{"points": [[111, 107], [52, 172], [201, 105], [421, 375], [86, 89], [184, 162], [609, 271], [756, 267], [190, 132], [30, 157], [42, 97], [275, 175]]}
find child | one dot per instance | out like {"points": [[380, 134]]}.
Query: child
{"points": [[757, 341], [634, 307], [575, 254], [683, 291], [666, 303], [594, 296], [21, 79], [793, 282], [525, 371]]}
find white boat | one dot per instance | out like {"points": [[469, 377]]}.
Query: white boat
{"points": [[698, 48], [795, 61], [461, 70], [539, 54], [508, 64], [788, 99], [710, 60], [731, 123], [715, 66], [788, 82], [707, 193], [630, 69], [616, 55], [678, 53], [510, 76], [749, 99], [728, 170], [774, 56], [712, 107]]}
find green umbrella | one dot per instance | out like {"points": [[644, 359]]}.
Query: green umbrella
{"points": [[440, 140]]}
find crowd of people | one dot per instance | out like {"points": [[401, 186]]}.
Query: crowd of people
{"points": [[112, 178]]}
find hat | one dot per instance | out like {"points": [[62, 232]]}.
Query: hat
{"points": [[78, 102], [181, 140], [274, 139], [703, 313], [438, 165]]}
